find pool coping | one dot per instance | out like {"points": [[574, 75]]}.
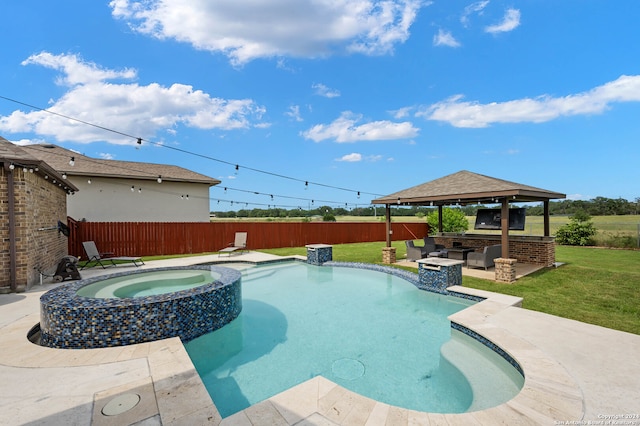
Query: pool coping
{"points": [[549, 394]]}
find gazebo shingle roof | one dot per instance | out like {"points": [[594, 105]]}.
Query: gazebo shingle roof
{"points": [[465, 187], [59, 157]]}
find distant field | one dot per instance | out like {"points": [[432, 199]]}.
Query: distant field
{"points": [[533, 224], [610, 228]]}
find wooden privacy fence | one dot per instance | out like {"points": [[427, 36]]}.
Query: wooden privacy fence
{"points": [[154, 238]]}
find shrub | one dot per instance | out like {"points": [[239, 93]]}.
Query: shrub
{"points": [[578, 232], [328, 218], [453, 220]]}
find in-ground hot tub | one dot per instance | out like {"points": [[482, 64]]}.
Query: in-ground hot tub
{"points": [[135, 307]]}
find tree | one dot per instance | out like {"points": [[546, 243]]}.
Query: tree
{"points": [[453, 220], [578, 232]]}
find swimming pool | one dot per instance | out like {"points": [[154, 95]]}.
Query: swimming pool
{"points": [[371, 332]]}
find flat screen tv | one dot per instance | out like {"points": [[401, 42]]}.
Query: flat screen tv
{"points": [[490, 219]]}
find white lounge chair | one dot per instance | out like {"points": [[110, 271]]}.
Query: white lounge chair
{"points": [[94, 255], [239, 244]]}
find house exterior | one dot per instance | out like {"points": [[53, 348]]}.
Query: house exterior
{"points": [[33, 198], [125, 191]]}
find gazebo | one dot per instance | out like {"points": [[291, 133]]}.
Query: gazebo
{"points": [[463, 188]]}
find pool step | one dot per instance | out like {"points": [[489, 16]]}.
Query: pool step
{"points": [[492, 379]]}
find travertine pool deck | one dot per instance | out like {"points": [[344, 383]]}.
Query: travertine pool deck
{"points": [[575, 373]]}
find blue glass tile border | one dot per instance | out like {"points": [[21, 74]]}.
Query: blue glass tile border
{"points": [[488, 343]]}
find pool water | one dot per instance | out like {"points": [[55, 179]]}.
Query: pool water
{"points": [[148, 283], [368, 331]]}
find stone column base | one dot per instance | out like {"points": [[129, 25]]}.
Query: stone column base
{"points": [[389, 255], [505, 270]]}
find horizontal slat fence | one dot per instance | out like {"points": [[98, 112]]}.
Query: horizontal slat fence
{"points": [[154, 238]]}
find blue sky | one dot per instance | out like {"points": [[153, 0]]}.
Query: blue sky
{"points": [[347, 95]]}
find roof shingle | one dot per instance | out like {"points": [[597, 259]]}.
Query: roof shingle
{"points": [[59, 158]]}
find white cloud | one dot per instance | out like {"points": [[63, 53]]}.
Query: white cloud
{"points": [[510, 22], [476, 7], [267, 28], [401, 113], [294, 113], [345, 129], [351, 158], [461, 113], [126, 107], [444, 38], [106, 156], [322, 90]]}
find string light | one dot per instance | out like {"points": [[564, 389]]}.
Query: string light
{"points": [[89, 181], [133, 188], [72, 162], [139, 140], [236, 166], [12, 166], [64, 175]]}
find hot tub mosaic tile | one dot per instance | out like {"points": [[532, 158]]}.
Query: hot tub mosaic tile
{"points": [[71, 321]]}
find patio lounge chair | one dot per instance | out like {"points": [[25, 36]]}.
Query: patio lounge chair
{"points": [[94, 255], [239, 244], [484, 259]]}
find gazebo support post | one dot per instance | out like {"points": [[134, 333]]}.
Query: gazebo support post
{"points": [[504, 224], [505, 267], [387, 212], [547, 231], [388, 252], [440, 219]]}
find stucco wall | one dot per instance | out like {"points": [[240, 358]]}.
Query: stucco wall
{"points": [[112, 200], [38, 205]]}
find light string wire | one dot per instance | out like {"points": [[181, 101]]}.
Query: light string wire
{"points": [[225, 188], [139, 140]]}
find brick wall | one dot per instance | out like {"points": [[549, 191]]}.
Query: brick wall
{"points": [[38, 204], [533, 250]]}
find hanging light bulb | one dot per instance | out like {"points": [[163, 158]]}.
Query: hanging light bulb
{"points": [[139, 190], [159, 179], [306, 185], [72, 162], [64, 175], [12, 166], [132, 188], [237, 168], [358, 194], [89, 181], [187, 197], [139, 141]]}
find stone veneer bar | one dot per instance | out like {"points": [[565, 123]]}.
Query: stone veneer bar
{"points": [[71, 321]]}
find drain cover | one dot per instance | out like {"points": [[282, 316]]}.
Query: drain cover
{"points": [[347, 368], [120, 404]]}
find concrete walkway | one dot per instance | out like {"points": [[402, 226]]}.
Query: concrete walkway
{"points": [[574, 373]]}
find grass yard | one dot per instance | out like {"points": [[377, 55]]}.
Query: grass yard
{"points": [[596, 285]]}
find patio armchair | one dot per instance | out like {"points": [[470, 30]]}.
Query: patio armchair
{"points": [[415, 252], [431, 246], [484, 259]]}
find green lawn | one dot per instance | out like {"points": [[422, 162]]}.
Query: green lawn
{"points": [[596, 285]]}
